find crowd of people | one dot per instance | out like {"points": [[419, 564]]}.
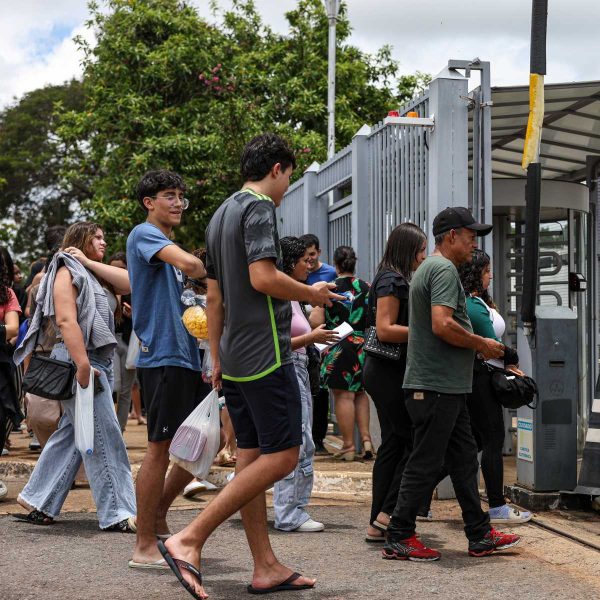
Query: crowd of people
{"points": [[274, 351]]}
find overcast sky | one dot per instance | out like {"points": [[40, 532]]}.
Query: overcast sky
{"points": [[36, 45]]}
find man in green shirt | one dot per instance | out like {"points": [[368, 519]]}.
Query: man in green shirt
{"points": [[439, 373]]}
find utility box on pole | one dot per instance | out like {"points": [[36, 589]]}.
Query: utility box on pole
{"points": [[547, 435]]}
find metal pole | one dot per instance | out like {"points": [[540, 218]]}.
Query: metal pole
{"points": [[333, 7]]}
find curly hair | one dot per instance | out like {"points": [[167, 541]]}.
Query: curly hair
{"points": [[344, 258], [292, 250], [6, 275], [471, 276]]}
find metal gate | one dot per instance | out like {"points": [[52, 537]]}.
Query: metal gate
{"points": [[405, 168]]}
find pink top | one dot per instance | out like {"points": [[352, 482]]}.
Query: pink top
{"points": [[300, 325], [12, 304]]}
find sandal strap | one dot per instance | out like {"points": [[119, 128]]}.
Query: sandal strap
{"points": [[291, 579], [182, 564]]}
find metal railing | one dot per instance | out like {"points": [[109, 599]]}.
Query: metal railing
{"points": [[402, 169]]}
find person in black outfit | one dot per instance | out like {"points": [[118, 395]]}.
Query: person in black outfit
{"points": [[388, 312]]}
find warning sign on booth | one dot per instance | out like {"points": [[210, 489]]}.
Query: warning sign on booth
{"points": [[525, 439]]}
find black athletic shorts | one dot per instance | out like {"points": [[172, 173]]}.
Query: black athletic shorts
{"points": [[266, 413], [170, 395]]}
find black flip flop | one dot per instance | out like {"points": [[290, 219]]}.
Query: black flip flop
{"points": [[176, 565], [284, 586], [35, 517]]}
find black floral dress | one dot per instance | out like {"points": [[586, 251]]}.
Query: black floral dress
{"points": [[341, 368]]}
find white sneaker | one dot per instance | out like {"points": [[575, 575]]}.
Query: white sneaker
{"points": [[310, 526], [3, 490], [427, 517], [508, 515], [208, 485], [5, 452], [193, 489]]}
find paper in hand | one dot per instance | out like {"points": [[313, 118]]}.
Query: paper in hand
{"points": [[343, 331]]}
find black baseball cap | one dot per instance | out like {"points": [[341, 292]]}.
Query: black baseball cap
{"points": [[456, 217]]}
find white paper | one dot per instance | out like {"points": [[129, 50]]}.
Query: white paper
{"points": [[343, 331]]}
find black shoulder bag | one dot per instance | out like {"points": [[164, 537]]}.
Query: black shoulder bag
{"points": [[511, 390], [373, 346], [48, 377]]}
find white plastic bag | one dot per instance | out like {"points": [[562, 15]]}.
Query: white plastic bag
{"points": [[133, 351], [196, 442], [84, 417]]}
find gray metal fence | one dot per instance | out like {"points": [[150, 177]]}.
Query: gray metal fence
{"points": [[398, 174], [291, 213], [402, 169]]}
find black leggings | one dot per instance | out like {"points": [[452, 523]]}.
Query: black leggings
{"points": [[383, 381], [487, 422], [320, 415]]}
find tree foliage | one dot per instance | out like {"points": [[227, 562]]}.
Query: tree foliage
{"points": [[33, 193], [164, 88]]}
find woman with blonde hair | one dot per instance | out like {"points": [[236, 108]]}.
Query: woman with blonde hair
{"points": [[71, 299]]}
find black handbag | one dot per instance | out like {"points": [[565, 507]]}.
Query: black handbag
{"points": [[48, 377], [513, 391], [373, 346]]}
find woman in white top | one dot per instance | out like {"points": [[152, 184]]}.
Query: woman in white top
{"points": [[487, 419]]}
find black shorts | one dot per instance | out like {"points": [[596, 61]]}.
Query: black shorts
{"points": [[170, 394], [266, 413]]}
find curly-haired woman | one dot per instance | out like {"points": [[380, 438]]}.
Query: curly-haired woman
{"points": [[291, 494], [487, 419]]}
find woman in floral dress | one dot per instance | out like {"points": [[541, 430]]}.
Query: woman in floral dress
{"points": [[341, 368]]}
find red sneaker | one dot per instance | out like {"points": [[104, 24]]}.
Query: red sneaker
{"points": [[409, 549], [493, 541]]}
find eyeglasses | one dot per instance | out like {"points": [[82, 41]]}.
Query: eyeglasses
{"points": [[172, 199]]}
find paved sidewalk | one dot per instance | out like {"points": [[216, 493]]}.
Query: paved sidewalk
{"points": [[74, 560]]}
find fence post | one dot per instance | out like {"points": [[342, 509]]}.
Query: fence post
{"points": [[448, 144], [448, 163], [360, 201], [314, 209]]}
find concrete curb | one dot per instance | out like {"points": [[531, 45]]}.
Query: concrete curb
{"points": [[348, 485]]}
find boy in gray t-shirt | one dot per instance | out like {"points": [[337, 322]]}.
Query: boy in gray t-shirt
{"points": [[249, 318], [441, 347]]}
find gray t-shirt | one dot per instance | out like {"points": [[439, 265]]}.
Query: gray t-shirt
{"points": [[433, 364], [256, 334]]}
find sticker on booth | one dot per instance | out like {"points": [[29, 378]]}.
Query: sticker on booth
{"points": [[525, 439]]}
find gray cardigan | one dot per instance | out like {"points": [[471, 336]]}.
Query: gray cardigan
{"points": [[93, 313]]}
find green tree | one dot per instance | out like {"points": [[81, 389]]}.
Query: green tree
{"points": [[165, 88], [33, 193]]}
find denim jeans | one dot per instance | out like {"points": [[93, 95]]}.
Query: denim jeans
{"points": [[123, 382], [107, 467], [292, 493]]}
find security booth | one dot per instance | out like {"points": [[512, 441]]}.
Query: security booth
{"points": [[455, 146], [556, 353], [561, 350]]}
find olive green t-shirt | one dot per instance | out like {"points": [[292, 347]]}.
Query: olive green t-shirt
{"points": [[432, 364]]}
